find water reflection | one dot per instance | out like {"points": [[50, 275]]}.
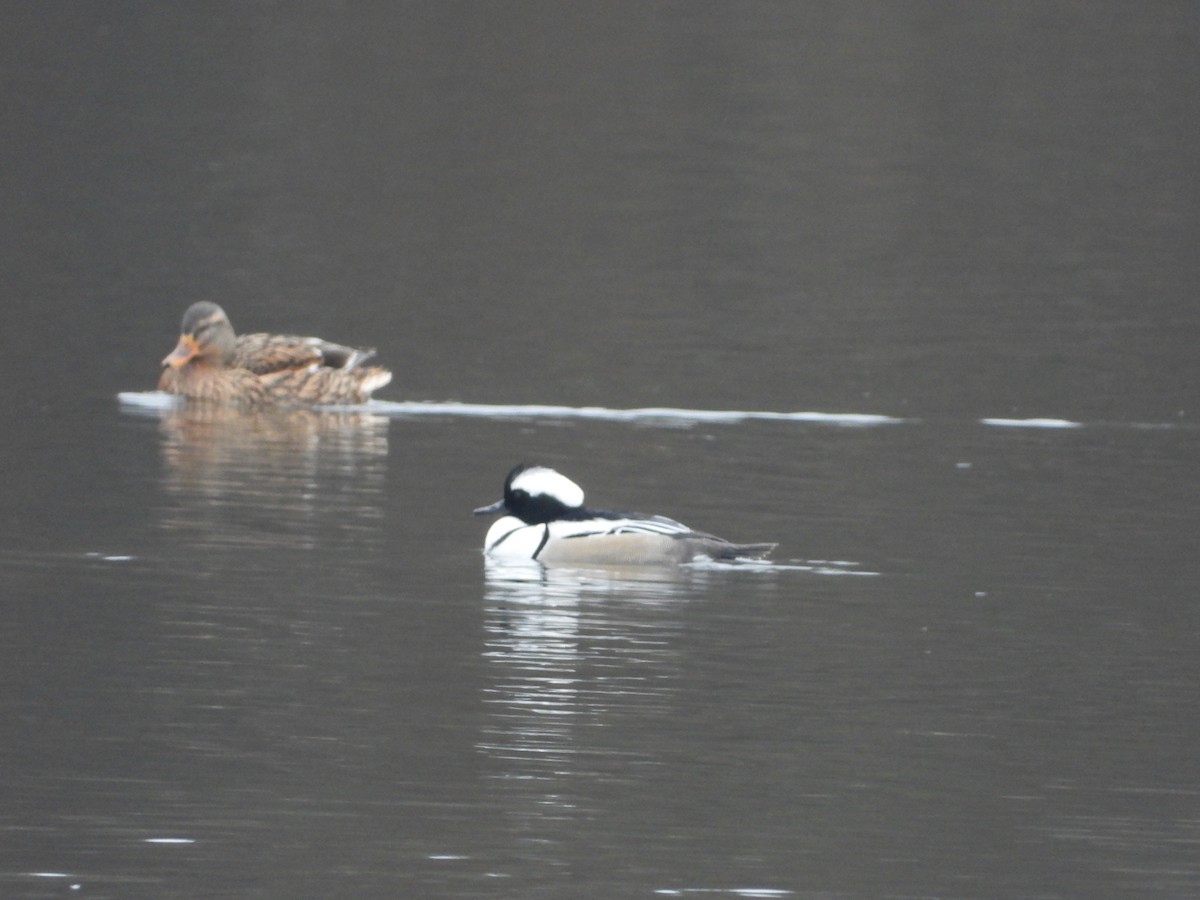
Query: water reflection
{"points": [[232, 476], [577, 661]]}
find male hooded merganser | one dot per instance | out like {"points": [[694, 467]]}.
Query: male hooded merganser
{"points": [[211, 363], [545, 520]]}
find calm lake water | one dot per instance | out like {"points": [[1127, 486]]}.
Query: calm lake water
{"points": [[262, 656]]}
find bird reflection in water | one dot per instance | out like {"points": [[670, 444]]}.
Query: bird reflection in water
{"points": [[294, 476], [579, 664]]}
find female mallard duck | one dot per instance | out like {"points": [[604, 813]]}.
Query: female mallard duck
{"points": [[211, 363]]}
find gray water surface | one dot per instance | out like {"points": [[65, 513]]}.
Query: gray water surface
{"points": [[909, 289]]}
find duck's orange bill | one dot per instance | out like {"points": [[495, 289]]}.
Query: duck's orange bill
{"points": [[185, 350]]}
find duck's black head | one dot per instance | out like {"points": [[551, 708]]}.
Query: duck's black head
{"points": [[536, 494]]}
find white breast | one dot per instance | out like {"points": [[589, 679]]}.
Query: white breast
{"points": [[510, 538]]}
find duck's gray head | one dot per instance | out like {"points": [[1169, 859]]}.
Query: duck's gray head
{"points": [[205, 334]]}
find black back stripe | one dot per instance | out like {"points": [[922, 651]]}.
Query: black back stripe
{"points": [[542, 543]]}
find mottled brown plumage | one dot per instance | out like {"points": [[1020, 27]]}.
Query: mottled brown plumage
{"points": [[211, 363], [263, 353]]}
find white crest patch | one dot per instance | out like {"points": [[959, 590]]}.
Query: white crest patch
{"points": [[547, 482]]}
